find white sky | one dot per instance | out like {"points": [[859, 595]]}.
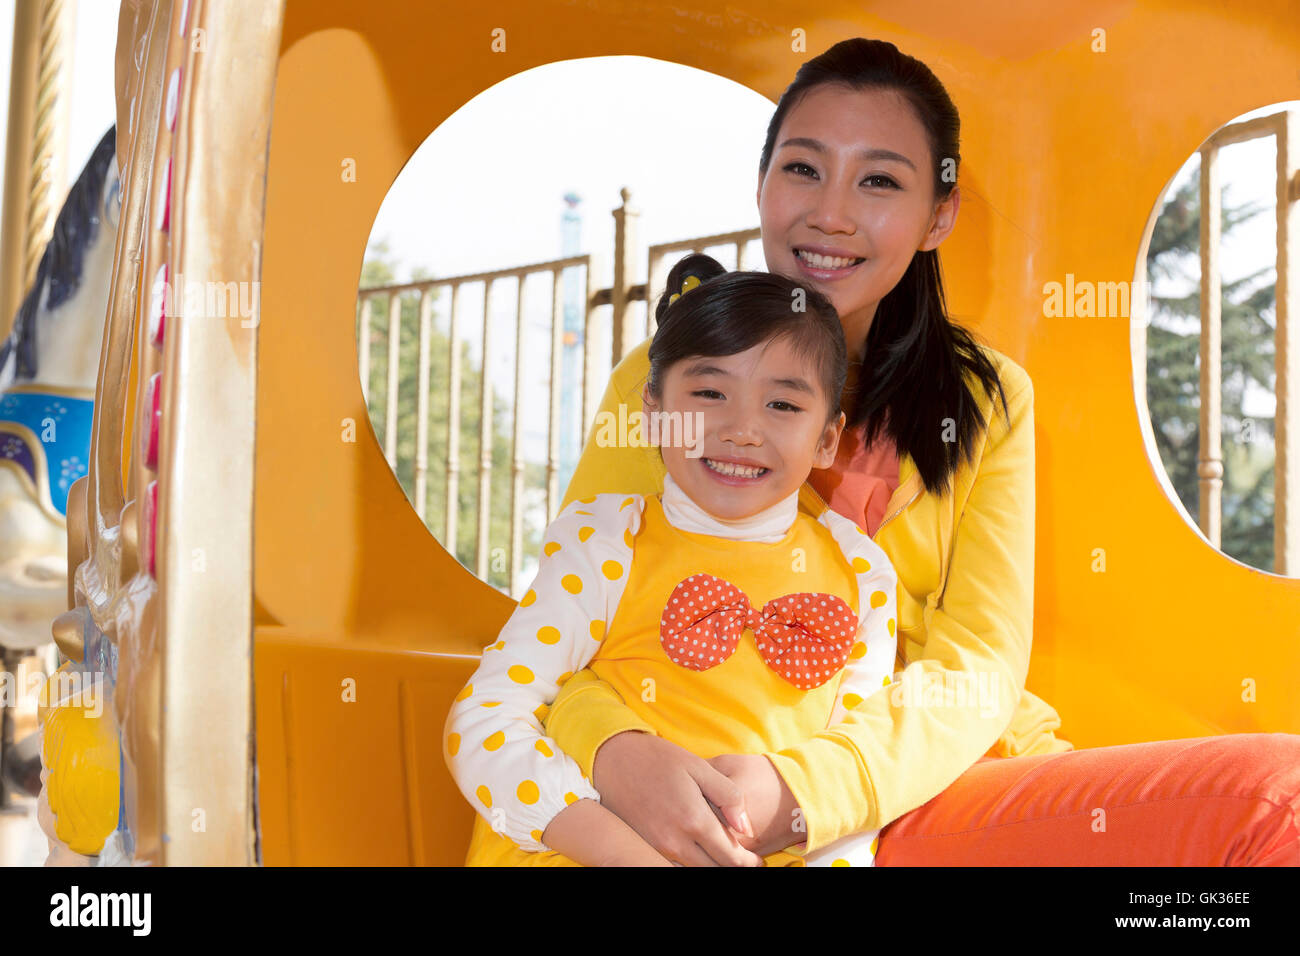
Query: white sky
{"points": [[485, 189]]}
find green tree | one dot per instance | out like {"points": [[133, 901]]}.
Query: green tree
{"points": [[1173, 374], [378, 270]]}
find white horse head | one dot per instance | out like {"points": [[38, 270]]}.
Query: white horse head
{"points": [[48, 367]]}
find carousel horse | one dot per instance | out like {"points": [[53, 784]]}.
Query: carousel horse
{"points": [[48, 367]]}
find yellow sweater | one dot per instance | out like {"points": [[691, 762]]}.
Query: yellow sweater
{"points": [[965, 566]]}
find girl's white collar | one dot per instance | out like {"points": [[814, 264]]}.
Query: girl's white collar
{"points": [[768, 526]]}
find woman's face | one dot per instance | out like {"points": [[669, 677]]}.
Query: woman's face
{"points": [[762, 427], [848, 199]]}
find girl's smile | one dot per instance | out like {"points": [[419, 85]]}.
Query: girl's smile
{"points": [[734, 471]]}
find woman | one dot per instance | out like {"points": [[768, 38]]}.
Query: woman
{"points": [[956, 761]]}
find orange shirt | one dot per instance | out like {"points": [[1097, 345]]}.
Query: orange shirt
{"points": [[860, 482]]}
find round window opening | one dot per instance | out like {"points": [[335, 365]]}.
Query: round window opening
{"points": [[1217, 338], [499, 239]]}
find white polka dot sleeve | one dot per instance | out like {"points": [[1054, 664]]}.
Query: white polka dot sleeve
{"points": [[512, 774], [870, 665], [871, 661]]}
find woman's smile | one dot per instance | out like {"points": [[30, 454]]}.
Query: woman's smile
{"points": [[824, 266], [847, 199]]}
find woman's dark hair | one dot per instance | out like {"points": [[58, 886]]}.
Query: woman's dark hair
{"points": [[731, 312], [919, 358]]}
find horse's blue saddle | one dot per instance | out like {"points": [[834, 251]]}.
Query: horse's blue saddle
{"points": [[46, 436]]}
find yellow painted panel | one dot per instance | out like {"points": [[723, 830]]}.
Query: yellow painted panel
{"points": [[1065, 153]]}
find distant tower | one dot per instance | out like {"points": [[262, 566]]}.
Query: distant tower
{"points": [[571, 424]]}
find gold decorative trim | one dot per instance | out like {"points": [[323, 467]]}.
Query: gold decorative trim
{"points": [[125, 610], [23, 477], [65, 391], [205, 464], [41, 490]]}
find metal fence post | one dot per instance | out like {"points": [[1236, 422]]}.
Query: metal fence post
{"points": [[625, 258]]}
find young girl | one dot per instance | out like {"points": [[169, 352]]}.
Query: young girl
{"points": [[727, 619]]}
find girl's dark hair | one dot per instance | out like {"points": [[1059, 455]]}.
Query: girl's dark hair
{"points": [[919, 359], [731, 312]]}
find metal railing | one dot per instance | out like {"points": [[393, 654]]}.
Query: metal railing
{"points": [[621, 331], [1285, 126]]}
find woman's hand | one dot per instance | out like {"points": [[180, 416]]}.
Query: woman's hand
{"points": [[664, 792], [774, 813]]}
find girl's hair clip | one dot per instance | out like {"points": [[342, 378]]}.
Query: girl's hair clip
{"points": [[688, 283]]}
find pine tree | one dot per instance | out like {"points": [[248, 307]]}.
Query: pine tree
{"points": [[1173, 375]]}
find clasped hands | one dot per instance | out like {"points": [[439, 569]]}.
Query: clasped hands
{"points": [[730, 810]]}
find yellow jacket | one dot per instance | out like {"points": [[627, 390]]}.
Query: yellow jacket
{"points": [[965, 566]]}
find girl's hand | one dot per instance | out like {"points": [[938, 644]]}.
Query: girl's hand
{"points": [[773, 811], [592, 835], [664, 792]]}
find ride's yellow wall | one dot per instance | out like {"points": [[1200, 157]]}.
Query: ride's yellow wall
{"points": [[1065, 153]]}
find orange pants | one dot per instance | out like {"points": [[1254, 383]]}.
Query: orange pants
{"points": [[1230, 800], [1206, 801]]}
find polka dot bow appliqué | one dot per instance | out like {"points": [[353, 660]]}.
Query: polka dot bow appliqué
{"points": [[804, 637]]}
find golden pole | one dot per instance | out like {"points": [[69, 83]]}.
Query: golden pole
{"points": [[47, 174], [18, 147], [36, 145]]}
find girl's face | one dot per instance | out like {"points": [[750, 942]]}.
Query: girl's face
{"points": [[848, 199], [763, 415]]}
